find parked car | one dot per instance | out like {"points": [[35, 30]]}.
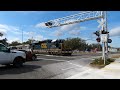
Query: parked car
{"points": [[8, 56], [29, 55]]}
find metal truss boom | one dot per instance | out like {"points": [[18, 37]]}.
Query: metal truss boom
{"points": [[76, 18]]}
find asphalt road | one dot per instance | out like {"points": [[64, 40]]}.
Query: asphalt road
{"points": [[48, 67]]}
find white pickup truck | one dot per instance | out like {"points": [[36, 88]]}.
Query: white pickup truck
{"points": [[8, 57]]}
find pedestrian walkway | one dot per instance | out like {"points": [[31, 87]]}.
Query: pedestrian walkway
{"points": [[111, 71]]}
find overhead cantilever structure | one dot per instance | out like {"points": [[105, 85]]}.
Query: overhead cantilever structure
{"points": [[81, 17], [76, 18]]}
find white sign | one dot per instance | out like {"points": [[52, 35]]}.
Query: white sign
{"points": [[104, 37]]}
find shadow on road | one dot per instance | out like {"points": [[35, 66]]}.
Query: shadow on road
{"points": [[11, 70]]}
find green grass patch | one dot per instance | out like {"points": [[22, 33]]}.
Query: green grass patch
{"points": [[99, 62]]}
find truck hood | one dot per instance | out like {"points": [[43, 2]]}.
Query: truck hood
{"points": [[15, 51]]}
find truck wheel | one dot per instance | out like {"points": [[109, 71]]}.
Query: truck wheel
{"points": [[7, 65], [18, 62], [33, 58]]}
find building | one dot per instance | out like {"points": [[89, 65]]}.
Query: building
{"points": [[112, 49]]}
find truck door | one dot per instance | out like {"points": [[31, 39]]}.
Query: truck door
{"points": [[5, 57]]}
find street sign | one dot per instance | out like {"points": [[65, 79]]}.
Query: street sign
{"points": [[104, 37]]}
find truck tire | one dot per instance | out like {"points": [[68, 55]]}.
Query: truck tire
{"points": [[7, 65], [18, 62], [34, 57]]}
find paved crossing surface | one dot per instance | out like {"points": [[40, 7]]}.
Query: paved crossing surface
{"points": [[48, 67]]}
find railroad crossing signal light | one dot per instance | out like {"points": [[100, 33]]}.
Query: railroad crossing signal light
{"points": [[97, 33], [48, 24], [104, 32], [109, 40], [98, 39]]}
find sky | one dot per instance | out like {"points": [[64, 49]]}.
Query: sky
{"points": [[14, 23]]}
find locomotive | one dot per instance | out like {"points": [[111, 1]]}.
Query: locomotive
{"points": [[51, 47]]}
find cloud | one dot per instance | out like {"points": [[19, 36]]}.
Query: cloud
{"points": [[72, 29], [4, 28], [73, 32], [13, 33], [115, 32], [40, 25], [9, 32], [58, 33], [7, 28], [3, 31], [34, 35], [39, 37], [29, 33], [11, 39]]}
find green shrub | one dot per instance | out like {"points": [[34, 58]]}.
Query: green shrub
{"points": [[110, 60], [99, 62]]}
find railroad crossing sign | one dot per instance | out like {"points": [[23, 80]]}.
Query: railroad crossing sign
{"points": [[101, 23]]}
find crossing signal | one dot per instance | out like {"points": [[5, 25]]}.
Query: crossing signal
{"points": [[48, 24], [98, 39], [104, 32], [97, 33], [109, 40]]}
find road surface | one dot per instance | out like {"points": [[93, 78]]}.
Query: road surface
{"points": [[49, 67]]}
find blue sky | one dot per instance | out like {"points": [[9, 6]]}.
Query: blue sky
{"points": [[13, 22]]}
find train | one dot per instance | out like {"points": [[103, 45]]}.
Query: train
{"points": [[51, 47]]}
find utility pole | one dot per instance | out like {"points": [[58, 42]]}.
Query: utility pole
{"points": [[22, 36], [105, 12], [22, 26], [103, 43]]}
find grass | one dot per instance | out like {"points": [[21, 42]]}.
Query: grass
{"points": [[99, 62]]}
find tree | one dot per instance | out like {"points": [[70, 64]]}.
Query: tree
{"points": [[75, 43], [1, 34], [14, 43], [93, 46], [29, 41]]}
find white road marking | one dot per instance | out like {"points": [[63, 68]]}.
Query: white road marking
{"points": [[74, 64], [79, 74], [51, 59], [68, 68], [72, 67]]}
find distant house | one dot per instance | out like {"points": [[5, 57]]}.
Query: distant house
{"points": [[118, 49], [112, 49]]}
